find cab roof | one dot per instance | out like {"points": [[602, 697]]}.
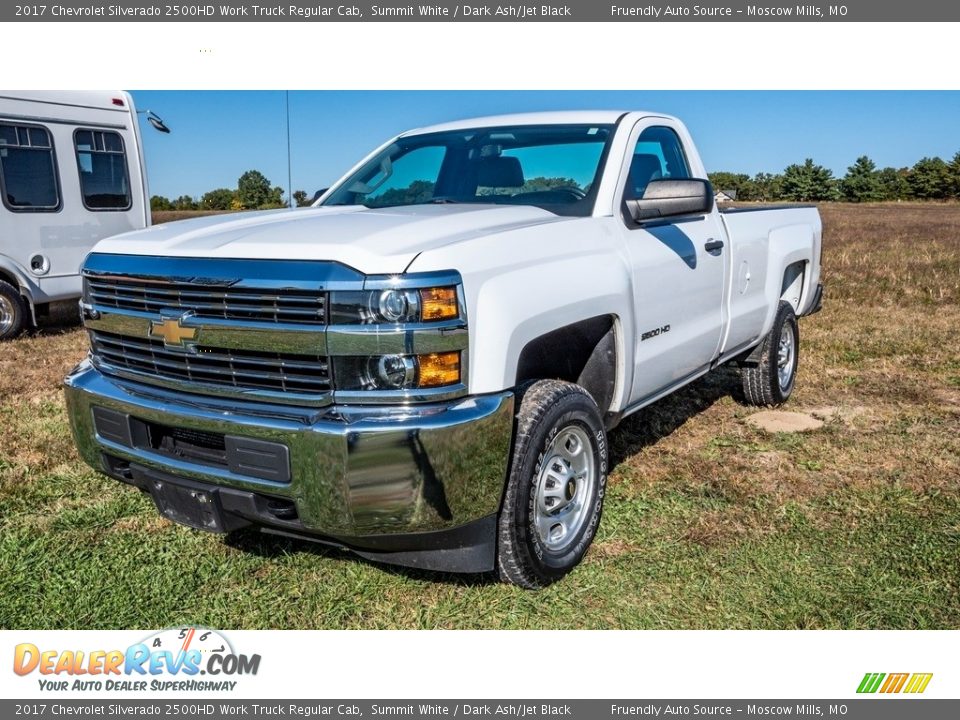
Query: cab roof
{"points": [[565, 117]]}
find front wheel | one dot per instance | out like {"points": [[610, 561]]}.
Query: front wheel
{"points": [[554, 494], [771, 381], [13, 311]]}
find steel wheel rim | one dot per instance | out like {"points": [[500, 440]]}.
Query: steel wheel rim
{"points": [[7, 314], [786, 352], [563, 488]]}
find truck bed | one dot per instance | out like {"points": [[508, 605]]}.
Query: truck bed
{"points": [[762, 207], [764, 241]]}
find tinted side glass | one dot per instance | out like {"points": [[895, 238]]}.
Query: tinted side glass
{"points": [[658, 154], [28, 169], [102, 162], [409, 179]]}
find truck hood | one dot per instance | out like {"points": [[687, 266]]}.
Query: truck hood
{"points": [[373, 241]]}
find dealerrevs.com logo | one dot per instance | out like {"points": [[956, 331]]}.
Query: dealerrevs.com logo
{"points": [[179, 659]]}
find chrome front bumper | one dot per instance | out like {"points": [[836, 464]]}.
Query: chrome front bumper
{"points": [[382, 479]]}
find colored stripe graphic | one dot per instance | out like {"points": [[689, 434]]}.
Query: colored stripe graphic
{"points": [[894, 682], [918, 683], [870, 682]]}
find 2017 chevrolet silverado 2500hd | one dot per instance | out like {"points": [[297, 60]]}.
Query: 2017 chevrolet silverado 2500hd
{"points": [[423, 366], [71, 173]]}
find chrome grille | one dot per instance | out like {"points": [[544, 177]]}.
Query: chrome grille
{"points": [[287, 305], [238, 369]]}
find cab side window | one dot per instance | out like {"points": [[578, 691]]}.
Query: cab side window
{"points": [[104, 183], [657, 155], [28, 169], [409, 178]]}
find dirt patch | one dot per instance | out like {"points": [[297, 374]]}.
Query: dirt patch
{"points": [[781, 421], [834, 413]]}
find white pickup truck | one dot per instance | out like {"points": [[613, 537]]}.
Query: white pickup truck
{"points": [[423, 366]]}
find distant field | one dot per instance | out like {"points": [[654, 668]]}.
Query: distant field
{"points": [[709, 523], [164, 216]]}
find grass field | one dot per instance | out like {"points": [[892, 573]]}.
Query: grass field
{"points": [[709, 522]]}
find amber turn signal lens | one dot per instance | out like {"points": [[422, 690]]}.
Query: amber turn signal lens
{"points": [[438, 304], [439, 369]]}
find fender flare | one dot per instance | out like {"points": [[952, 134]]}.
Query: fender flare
{"points": [[9, 269], [788, 245]]}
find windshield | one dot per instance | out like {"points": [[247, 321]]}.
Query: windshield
{"points": [[555, 167]]}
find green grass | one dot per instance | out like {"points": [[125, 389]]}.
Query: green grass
{"points": [[709, 522], [885, 558]]}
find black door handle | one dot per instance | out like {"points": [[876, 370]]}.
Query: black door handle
{"points": [[712, 245]]}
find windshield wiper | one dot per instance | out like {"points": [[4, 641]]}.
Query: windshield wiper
{"points": [[432, 201]]}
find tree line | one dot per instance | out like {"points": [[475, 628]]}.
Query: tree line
{"points": [[253, 192], [929, 179]]}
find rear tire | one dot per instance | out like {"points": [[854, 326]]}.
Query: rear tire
{"points": [[554, 494], [771, 381], [13, 311]]}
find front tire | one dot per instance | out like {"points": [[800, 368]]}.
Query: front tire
{"points": [[554, 494], [13, 311], [771, 381]]}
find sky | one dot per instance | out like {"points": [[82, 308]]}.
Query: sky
{"points": [[218, 135]]}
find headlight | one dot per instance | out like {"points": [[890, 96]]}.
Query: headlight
{"points": [[398, 306], [393, 306], [397, 372], [392, 371]]}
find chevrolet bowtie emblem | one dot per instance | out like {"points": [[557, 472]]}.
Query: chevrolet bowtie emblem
{"points": [[172, 332]]}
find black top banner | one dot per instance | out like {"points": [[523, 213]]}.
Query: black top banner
{"points": [[447, 11]]}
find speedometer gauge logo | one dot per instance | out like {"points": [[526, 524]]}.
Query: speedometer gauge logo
{"points": [[187, 638]]}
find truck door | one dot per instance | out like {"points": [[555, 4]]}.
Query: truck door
{"points": [[678, 267]]}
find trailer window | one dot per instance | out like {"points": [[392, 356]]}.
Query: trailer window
{"points": [[104, 182], [28, 169]]}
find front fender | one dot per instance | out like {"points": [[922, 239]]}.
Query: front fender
{"points": [[517, 307], [521, 284]]}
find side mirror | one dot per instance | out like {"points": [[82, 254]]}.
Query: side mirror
{"points": [[317, 194], [669, 198], [157, 123]]}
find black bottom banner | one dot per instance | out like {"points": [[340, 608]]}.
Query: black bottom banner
{"points": [[879, 708]]}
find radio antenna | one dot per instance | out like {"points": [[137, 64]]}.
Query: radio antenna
{"points": [[289, 164]]}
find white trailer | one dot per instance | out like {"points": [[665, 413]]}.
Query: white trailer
{"points": [[71, 174]]}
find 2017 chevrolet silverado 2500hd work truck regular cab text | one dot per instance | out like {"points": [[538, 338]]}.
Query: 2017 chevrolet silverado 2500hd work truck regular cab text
{"points": [[423, 366]]}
